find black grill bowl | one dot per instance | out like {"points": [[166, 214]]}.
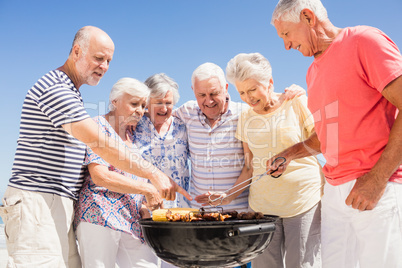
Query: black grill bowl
{"points": [[209, 243]]}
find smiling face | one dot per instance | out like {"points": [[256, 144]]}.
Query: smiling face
{"points": [[92, 65], [129, 109], [254, 94], [298, 36], [160, 109], [211, 97]]}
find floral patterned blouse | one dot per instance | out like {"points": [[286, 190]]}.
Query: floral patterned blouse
{"points": [[169, 153], [100, 206]]}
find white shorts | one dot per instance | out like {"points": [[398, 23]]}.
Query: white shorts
{"points": [[353, 238], [38, 229], [102, 247]]}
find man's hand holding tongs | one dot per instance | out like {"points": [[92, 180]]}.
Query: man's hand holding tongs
{"points": [[277, 165]]}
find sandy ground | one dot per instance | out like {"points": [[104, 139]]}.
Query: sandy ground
{"points": [[3, 250], [3, 257]]}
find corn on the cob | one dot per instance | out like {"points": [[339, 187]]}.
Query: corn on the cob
{"points": [[160, 214]]}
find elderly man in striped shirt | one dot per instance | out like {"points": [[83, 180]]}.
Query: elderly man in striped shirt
{"points": [[217, 158], [47, 173], [216, 155]]}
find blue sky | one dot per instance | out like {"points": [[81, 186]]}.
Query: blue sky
{"points": [[170, 36]]}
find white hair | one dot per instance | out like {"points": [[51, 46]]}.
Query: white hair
{"points": [[289, 10], [208, 70], [130, 86], [160, 84], [249, 66]]}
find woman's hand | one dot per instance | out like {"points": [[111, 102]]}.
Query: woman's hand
{"points": [[153, 199], [167, 187], [164, 184], [144, 212], [294, 91]]}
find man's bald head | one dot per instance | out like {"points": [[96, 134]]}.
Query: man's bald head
{"points": [[83, 37]]}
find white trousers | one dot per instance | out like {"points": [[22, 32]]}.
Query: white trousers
{"points": [[368, 239], [102, 247]]}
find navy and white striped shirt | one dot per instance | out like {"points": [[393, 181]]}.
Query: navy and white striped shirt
{"points": [[48, 159]]}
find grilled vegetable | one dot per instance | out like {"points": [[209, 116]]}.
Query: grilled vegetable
{"points": [[160, 214]]}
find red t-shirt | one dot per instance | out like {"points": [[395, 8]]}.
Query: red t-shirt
{"points": [[352, 118]]}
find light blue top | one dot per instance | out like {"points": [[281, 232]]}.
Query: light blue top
{"points": [[169, 153]]}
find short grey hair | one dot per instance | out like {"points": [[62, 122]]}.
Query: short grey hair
{"points": [[209, 70], [249, 66], [160, 84], [289, 10], [130, 86], [82, 38]]}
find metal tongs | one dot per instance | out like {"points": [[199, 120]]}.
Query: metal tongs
{"points": [[255, 178]]}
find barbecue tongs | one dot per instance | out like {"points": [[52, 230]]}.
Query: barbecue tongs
{"points": [[256, 177]]}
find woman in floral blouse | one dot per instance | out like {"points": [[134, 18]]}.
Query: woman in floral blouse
{"points": [[162, 138], [111, 201]]}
